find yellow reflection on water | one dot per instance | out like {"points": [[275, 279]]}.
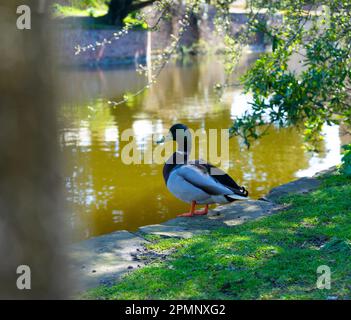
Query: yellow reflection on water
{"points": [[104, 194]]}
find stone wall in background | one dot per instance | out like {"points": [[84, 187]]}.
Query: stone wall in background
{"points": [[132, 48]]}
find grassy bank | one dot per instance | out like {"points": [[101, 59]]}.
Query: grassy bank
{"points": [[273, 258]]}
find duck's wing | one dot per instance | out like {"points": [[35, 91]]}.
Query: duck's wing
{"points": [[200, 178], [220, 176]]}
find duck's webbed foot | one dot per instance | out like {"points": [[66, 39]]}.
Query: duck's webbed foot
{"points": [[187, 214], [191, 212], [202, 212]]}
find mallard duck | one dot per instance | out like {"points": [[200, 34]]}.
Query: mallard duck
{"points": [[196, 182]]}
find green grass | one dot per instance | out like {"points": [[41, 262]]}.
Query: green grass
{"points": [[273, 258], [62, 11], [96, 9]]}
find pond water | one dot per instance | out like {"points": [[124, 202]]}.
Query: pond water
{"points": [[104, 194]]}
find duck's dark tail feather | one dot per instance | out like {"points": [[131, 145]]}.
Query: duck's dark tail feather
{"points": [[239, 194], [243, 192]]}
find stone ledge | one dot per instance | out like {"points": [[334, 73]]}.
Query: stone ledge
{"points": [[170, 231], [299, 186], [103, 259], [229, 215], [303, 185]]}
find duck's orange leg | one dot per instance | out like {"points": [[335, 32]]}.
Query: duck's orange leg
{"points": [[202, 212], [192, 210]]}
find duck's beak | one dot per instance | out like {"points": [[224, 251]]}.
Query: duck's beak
{"points": [[166, 138], [161, 140]]}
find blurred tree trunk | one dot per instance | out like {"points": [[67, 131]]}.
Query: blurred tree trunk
{"points": [[119, 9], [30, 196], [192, 34]]}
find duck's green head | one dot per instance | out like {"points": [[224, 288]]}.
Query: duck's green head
{"points": [[176, 132], [181, 134]]}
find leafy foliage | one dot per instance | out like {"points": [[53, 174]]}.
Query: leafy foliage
{"points": [[346, 160], [318, 90], [132, 19], [84, 4], [79, 8]]}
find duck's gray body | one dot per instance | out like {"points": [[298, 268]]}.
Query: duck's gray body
{"points": [[195, 181]]}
